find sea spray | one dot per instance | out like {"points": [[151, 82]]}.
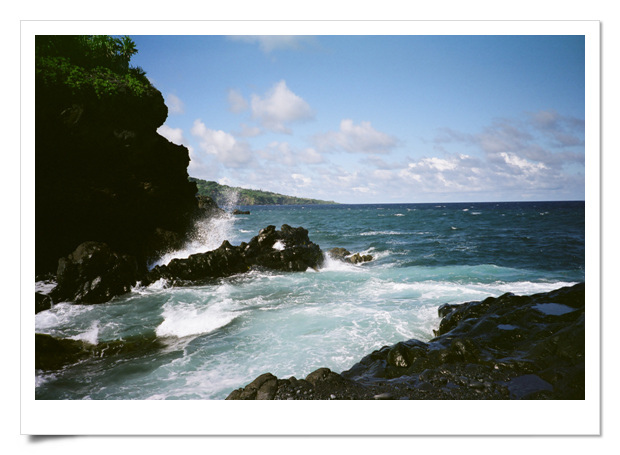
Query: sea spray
{"points": [[209, 233], [90, 336], [229, 200]]}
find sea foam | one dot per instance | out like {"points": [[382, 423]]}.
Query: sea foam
{"points": [[186, 319]]}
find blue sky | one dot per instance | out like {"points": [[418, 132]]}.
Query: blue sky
{"points": [[363, 119]]}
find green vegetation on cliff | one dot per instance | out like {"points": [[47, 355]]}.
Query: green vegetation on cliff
{"points": [[222, 194], [93, 63]]}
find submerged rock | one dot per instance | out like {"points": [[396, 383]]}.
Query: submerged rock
{"points": [[54, 353], [509, 347], [240, 212]]}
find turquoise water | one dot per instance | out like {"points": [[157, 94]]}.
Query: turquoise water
{"points": [[217, 337]]}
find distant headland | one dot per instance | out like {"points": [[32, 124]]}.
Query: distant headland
{"points": [[221, 195]]}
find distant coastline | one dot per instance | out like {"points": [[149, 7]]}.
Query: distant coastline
{"points": [[221, 194]]}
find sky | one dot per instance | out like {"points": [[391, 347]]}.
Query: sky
{"points": [[377, 119]]}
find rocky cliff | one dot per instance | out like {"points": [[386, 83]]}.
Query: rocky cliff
{"points": [[103, 173]]}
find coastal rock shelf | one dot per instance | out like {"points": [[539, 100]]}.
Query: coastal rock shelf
{"points": [[288, 249], [94, 274], [509, 347]]}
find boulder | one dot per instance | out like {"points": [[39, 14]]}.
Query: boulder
{"points": [[322, 384], [345, 255], [93, 273], [359, 258], [240, 212], [42, 302], [263, 387], [338, 253]]}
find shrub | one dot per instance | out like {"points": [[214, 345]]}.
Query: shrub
{"points": [[97, 63]]}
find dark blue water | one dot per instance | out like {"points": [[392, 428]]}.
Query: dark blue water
{"points": [[220, 337]]}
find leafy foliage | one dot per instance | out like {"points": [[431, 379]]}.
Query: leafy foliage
{"points": [[248, 196], [95, 62], [88, 51]]}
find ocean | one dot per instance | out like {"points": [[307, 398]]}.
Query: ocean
{"points": [[202, 342]]}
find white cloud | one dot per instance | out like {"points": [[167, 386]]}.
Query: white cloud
{"points": [[435, 163], [249, 131], [236, 101], [283, 154], [280, 153], [202, 167], [174, 135], [383, 174], [279, 107], [175, 105], [223, 146], [310, 156], [362, 138], [301, 180], [270, 43], [521, 163]]}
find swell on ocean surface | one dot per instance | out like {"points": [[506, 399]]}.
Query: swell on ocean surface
{"points": [[219, 336]]}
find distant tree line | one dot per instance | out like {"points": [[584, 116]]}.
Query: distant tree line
{"points": [[221, 195]]}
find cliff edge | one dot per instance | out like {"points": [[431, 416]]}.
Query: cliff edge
{"points": [[102, 171]]}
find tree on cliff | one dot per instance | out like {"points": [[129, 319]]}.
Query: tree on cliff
{"points": [[88, 51]]}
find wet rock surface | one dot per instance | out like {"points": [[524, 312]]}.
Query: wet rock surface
{"points": [[509, 347], [288, 249], [54, 353], [94, 274], [342, 254]]}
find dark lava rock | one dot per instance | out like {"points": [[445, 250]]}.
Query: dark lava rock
{"points": [[240, 212], [338, 253], [263, 387], [54, 353], [288, 249], [322, 384], [209, 206], [509, 347], [345, 255], [94, 274], [42, 302], [359, 258]]}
